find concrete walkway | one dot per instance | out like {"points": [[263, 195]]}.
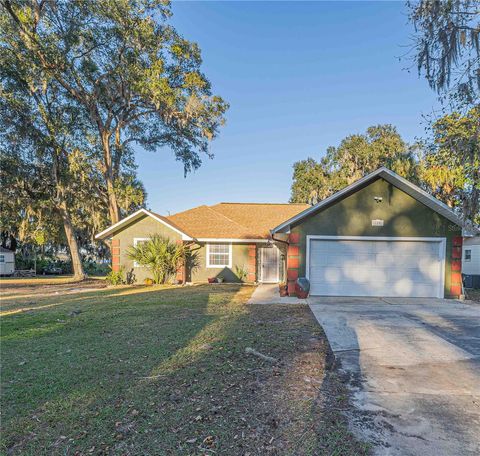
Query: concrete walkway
{"points": [[268, 293], [414, 368]]}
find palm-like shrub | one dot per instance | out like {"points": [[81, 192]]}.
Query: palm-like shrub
{"points": [[160, 256]]}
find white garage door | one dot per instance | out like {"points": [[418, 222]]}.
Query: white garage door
{"points": [[376, 267]]}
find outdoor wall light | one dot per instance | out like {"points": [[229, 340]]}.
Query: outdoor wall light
{"points": [[378, 199]]}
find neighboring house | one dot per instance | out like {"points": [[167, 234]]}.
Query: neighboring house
{"points": [[7, 261], [380, 236], [471, 261]]}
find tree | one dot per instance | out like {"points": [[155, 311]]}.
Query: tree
{"points": [[356, 156], [447, 47], [160, 256], [136, 80], [451, 165], [41, 138]]}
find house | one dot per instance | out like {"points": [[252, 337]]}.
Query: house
{"points": [[7, 261], [231, 240], [380, 236], [471, 261]]}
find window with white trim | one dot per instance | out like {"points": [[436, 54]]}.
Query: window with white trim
{"points": [[2, 258], [219, 255], [468, 255], [137, 241]]}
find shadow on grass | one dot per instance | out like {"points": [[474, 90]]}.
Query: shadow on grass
{"points": [[165, 372]]}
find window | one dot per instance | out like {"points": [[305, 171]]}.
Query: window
{"points": [[468, 255], [137, 241], [2, 258], [219, 255]]}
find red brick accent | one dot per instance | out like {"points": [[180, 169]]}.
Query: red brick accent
{"points": [[294, 238], [252, 263], [457, 241], [115, 249], [455, 290], [457, 252], [179, 275], [292, 262], [456, 265], [291, 287], [456, 277], [293, 250], [292, 274]]}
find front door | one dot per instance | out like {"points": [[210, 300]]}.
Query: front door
{"points": [[269, 264]]}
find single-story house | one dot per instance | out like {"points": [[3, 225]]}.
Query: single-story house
{"points": [[7, 261], [471, 261], [380, 236]]}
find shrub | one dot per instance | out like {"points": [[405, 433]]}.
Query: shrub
{"points": [[115, 277], [160, 256], [241, 272]]}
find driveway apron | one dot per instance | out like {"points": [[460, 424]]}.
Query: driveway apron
{"points": [[413, 366]]}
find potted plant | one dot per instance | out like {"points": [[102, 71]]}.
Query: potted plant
{"points": [[212, 280], [283, 289], [220, 279]]}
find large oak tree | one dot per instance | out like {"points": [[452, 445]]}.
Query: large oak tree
{"points": [[135, 78]]}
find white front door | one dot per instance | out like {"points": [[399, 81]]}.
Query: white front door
{"points": [[269, 264], [403, 267]]}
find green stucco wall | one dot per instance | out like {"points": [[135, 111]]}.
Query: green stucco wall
{"points": [[142, 228], [202, 273], [402, 215], [147, 226]]}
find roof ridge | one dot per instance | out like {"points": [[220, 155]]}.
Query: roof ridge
{"points": [[262, 204], [186, 210], [228, 218]]}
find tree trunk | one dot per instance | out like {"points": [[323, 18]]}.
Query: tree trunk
{"points": [[77, 266], [112, 201], [109, 179]]}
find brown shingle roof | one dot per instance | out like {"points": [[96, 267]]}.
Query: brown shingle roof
{"points": [[235, 220]]}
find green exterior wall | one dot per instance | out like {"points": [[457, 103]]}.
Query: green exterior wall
{"points": [[142, 228], [402, 215], [147, 226], [202, 273]]}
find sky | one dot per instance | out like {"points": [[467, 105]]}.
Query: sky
{"points": [[299, 77]]}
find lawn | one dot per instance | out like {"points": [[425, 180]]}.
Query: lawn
{"points": [[163, 371]]}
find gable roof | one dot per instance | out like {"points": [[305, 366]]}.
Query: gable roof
{"points": [[140, 214], [221, 221], [234, 220], [403, 184]]}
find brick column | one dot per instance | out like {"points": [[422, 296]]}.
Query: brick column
{"points": [[181, 273], [293, 261], [252, 263], [115, 251], [456, 267]]}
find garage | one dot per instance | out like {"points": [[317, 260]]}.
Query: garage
{"points": [[375, 266]]}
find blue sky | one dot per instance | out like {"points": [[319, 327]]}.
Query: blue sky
{"points": [[299, 77]]}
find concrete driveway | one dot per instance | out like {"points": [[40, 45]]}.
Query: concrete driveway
{"points": [[414, 368]]}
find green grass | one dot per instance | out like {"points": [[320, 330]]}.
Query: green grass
{"points": [[163, 371]]}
